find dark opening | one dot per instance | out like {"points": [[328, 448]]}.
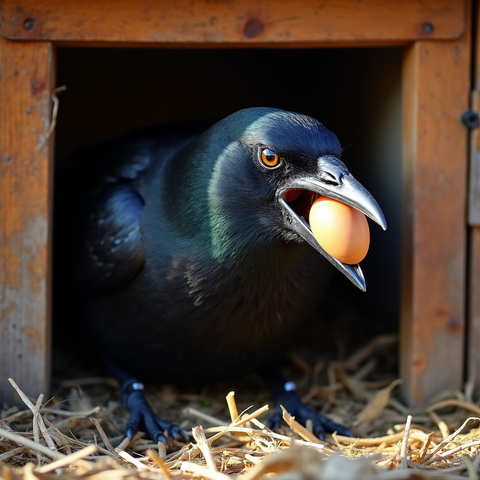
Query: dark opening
{"points": [[354, 92]]}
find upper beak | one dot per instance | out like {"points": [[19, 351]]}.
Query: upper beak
{"points": [[335, 181]]}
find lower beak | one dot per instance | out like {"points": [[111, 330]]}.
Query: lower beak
{"points": [[335, 181]]}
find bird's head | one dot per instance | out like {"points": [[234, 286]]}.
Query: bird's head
{"points": [[267, 167]]}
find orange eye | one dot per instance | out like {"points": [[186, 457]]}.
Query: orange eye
{"points": [[270, 158]]}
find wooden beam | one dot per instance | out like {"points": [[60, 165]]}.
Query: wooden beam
{"points": [[25, 216], [242, 22], [435, 94]]}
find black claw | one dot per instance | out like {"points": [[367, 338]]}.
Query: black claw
{"points": [[318, 428], [285, 394], [341, 430], [151, 422], [319, 432], [132, 425], [274, 421], [327, 425], [176, 432], [143, 417], [302, 414], [160, 437]]}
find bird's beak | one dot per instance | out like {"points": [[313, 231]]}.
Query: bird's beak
{"points": [[335, 181]]}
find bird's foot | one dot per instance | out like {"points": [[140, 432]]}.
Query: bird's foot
{"points": [[143, 417], [320, 424]]}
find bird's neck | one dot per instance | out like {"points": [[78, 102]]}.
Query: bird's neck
{"points": [[219, 205]]}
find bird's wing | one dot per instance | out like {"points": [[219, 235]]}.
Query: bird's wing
{"points": [[98, 214], [107, 251], [109, 248], [122, 158], [127, 156]]}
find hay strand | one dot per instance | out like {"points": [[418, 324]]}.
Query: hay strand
{"points": [[385, 445], [205, 447]]}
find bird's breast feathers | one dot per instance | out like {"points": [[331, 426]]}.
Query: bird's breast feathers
{"points": [[247, 309]]}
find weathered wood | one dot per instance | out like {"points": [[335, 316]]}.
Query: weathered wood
{"points": [[240, 22], [435, 94], [473, 335], [473, 312], [474, 175], [25, 216]]}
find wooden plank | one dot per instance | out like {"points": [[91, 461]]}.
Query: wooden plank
{"points": [[25, 217], [473, 312], [474, 174], [435, 94], [473, 335], [242, 22]]}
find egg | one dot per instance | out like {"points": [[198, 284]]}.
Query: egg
{"points": [[340, 229]]}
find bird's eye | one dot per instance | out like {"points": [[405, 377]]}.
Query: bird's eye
{"points": [[270, 158]]}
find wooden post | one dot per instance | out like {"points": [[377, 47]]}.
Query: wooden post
{"points": [[435, 94], [473, 333], [473, 336], [26, 161]]}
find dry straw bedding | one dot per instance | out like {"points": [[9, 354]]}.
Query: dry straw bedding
{"points": [[76, 439]]}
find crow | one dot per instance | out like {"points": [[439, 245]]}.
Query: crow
{"points": [[192, 253]]}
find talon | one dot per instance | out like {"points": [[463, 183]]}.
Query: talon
{"points": [[142, 415], [274, 421], [179, 432], [160, 437], [319, 432], [344, 431], [286, 395]]}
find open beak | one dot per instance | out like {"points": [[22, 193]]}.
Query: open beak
{"points": [[335, 181]]}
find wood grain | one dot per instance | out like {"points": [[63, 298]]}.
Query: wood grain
{"points": [[474, 174], [435, 94], [473, 335], [473, 312], [241, 22], [25, 217]]}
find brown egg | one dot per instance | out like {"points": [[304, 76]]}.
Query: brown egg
{"points": [[341, 230]]}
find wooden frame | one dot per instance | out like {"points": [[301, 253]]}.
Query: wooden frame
{"points": [[436, 36], [232, 23], [26, 165], [434, 244], [473, 337]]}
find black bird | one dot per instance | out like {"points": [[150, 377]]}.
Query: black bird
{"points": [[195, 255]]}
